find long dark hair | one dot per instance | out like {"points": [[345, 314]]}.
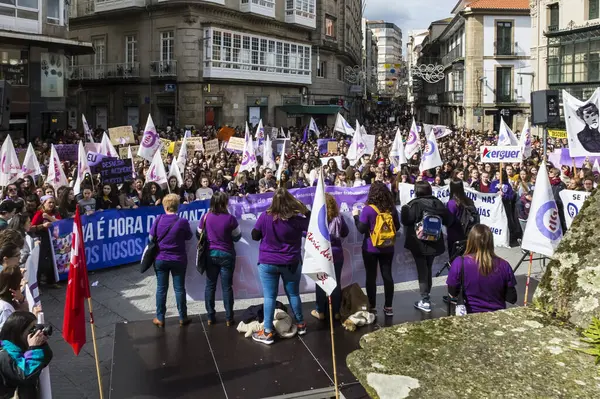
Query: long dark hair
{"points": [[10, 279], [219, 202], [285, 206], [457, 193], [17, 222], [14, 327], [381, 197]]}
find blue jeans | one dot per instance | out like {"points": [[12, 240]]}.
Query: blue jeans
{"points": [[177, 270], [336, 295], [269, 277], [223, 265]]}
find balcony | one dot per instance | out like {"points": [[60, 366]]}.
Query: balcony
{"points": [[503, 97], [456, 54], [451, 97], [109, 5], [163, 69], [505, 49], [104, 71], [552, 28], [299, 17], [266, 8]]}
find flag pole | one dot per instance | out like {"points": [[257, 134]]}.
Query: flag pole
{"points": [[335, 380], [528, 278], [93, 328]]}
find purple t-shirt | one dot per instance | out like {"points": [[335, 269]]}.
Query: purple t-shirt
{"points": [[218, 231], [281, 239], [368, 216], [172, 246], [483, 293]]}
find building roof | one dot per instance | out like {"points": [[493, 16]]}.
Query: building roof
{"points": [[500, 4]]}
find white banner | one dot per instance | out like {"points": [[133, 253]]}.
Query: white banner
{"points": [[495, 154], [491, 210], [572, 203], [582, 120], [338, 161]]}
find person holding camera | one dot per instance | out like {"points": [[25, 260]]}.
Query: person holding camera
{"points": [[24, 353]]}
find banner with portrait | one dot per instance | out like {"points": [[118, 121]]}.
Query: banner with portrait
{"points": [[572, 203], [582, 121]]}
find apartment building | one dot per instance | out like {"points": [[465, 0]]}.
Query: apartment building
{"points": [[213, 62], [413, 53], [389, 55]]}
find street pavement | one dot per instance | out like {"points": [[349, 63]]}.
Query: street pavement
{"points": [[122, 294]]}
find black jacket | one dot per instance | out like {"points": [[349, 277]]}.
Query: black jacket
{"points": [[412, 213], [21, 370]]}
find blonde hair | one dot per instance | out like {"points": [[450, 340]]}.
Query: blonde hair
{"points": [[481, 244], [171, 202], [332, 207]]}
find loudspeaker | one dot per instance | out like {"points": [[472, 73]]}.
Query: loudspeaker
{"points": [[4, 105], [545, 108]]}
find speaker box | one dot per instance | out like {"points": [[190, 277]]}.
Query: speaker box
{"points": [[4, 105], [545, 108]]}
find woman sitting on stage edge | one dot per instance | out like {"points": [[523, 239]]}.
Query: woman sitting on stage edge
{"points": [[280, 231], [171, 232], [222, 230], [488, 280]]}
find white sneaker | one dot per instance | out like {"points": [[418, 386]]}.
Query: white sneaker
{"points": [[424, 306]]}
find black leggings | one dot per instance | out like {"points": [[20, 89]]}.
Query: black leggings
{"points": [[385, 265], [424, 264]]}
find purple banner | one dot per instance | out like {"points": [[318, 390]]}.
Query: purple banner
{"points": [[562, 156], [95, 161], [322, 143], [67, 152]]}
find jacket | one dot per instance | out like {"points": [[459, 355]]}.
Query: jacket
{"points": [[20, 371], [412, 213]]}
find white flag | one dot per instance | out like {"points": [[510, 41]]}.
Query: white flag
{"points": [[82, 168], [182, 156], [595, 168], [106, 147], [431, 155], [156, 172], [397, 151], [439, 130], [150, 141], [543, 231], [10, 169], [342, 126], [268, 161], [31, 166], [56, 175], [525, 140], [281, 161], [413, 142], [318, 258], [86, 129], [259, 135], [174, 171], [282, 132], [130, 156], [357, 147], [505, 136], [188, 133], [313, 126], [248, 156]]}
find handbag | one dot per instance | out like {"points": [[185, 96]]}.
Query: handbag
{"points": [[202, 251], [151, 251]]}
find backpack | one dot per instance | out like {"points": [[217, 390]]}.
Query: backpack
{"points": [[469, 217], [384, 232], [429, 228]]}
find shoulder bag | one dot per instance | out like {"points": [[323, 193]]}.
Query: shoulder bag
{"points": [[151, 250], [202, 252]]}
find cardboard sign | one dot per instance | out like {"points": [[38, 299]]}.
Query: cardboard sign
{"points": [[121, 135], [211, 147], [196, 143], [332, 147], [134, 151], [67, 152], [164, 148], [115, 170], [236, 144], [557, 134]]}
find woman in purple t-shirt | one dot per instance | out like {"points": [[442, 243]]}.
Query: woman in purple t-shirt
{"points": [[280, 231], [488, 281]]}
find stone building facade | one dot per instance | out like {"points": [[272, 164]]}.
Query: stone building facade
{"points": [[214, 62]]}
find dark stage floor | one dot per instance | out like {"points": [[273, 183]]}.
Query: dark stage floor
{"points": [[215, 362]]}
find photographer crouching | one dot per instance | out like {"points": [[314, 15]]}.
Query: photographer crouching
{"points": [[24, 353]]}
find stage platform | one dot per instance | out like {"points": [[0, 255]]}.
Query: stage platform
{"points": [[216, 362]]}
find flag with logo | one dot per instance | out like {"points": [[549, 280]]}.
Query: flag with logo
{"points": [[413, 142], [182, 156], [342, 126], [156, 171], [505, 136], [150, 141], [582, 120], [397, 151], [313, 126], [259, 135], [543, 231], [439, 130], [78, 289], [318, 258], [281, 162], [86, 129], [248, 155], [31, 166], [106, 147], [82, 168], [357, 147], [174, 171], [130, 156], [431, 155], [525, 140], [10, 169], [56, 175], [596, 167], [268, 161]]}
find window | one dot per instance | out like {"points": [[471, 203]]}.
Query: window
{"points": [[594, 63], [504, 38], [593, 9], [305, 8], [53, 11], [25, 9], [100, 51], [339, 72], [321, 68], [503, 84], [14, 66], [167, 46], [329, 27], [131, 49], [553, 17]]}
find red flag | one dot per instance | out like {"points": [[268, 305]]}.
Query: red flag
{"points": [[77, 290]]}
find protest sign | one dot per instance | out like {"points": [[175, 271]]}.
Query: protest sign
{"points": [[115, 170], [506, 154], [92, 147], [225, 133], [67, 152], [194, 144], [94, 159], [211, 147], [332, 147], [134, 150], [338, 161], [572, 203], [369, 140], [323, 145], [557, 134], [164, 148], [236, 144], [121, 135]]}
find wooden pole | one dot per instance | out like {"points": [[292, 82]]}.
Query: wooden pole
{"points": [[528, 278], [335, 380], [95, 348], [501, 170], [574, 168]]}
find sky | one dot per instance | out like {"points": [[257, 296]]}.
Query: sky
{"points": [[409, 14]]}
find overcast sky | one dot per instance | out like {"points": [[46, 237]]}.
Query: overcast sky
{"points": [[409, 14]]}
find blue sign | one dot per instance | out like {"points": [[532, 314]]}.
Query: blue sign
{"points": [[170, 87]]}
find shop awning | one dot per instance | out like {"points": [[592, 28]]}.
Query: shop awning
{"points": [[73, 47], [310, 109]]}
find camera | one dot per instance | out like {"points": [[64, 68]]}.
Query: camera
{"points": [[45, 329]]}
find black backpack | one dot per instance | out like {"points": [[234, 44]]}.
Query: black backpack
{"points": [[469, 217]]}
